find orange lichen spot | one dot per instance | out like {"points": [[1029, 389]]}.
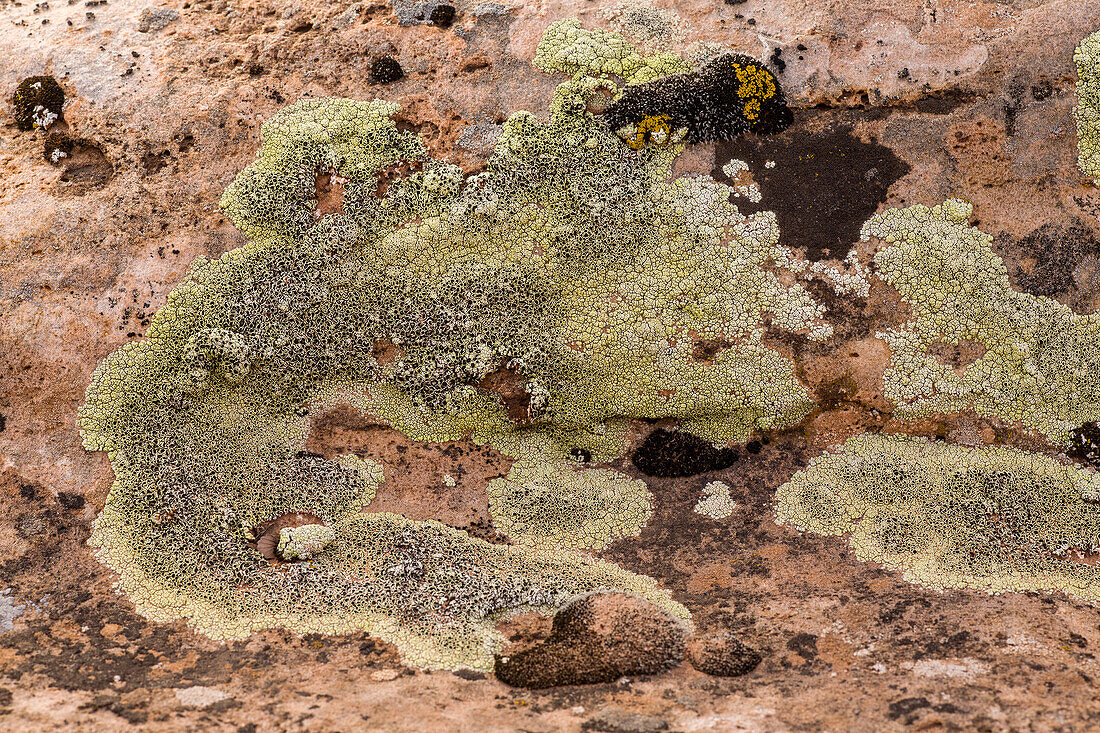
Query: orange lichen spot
{"points": [[655, 129], [756, 85]]}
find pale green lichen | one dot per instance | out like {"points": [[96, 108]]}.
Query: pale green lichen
{"points": [[306, 542], [716, 502], [1087, 112], [1042, 361], [562, 504], [568, 48], [993, 519], [579, 268]]}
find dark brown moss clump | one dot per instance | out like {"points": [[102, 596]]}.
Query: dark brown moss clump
{"points": [[57, 147], [37, 102], [1084, 444], [386, 70], [731, 95], [599, 638], [443, 15], [670, 454]]}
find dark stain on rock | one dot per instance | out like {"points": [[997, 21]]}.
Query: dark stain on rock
{"points": [[672, 453], [86, 168], [804, 645], [1044, 261], [822, 187]]}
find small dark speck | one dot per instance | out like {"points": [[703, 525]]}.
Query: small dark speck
{"points": [[777, 61]]}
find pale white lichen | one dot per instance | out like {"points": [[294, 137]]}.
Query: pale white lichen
{"points": [[716, 502]]}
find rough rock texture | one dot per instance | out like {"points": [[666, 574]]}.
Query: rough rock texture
{"points": [[598, 638], [969, 99]]}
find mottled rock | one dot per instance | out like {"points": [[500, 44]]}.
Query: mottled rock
{"points": [[152, 20], [599, 638], [722, 654]]}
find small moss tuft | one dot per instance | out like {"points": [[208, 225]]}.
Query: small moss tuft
{"points": [[37, 102], [386, 70]]}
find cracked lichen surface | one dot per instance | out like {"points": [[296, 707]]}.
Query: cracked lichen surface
{"points": [[575, 266], [992, 519], [1042, 361], [1087, 112], [561, 504]]}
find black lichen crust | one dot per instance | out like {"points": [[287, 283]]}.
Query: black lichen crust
{"points": [[731, 95], [822, 186], [674, 454], [36, 99]]}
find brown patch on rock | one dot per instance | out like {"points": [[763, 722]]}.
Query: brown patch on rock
{"points": [[86, 168], [510, 386], [386, 352], [391, 173], [957, 356], [707, 349], [598, 638], [415, 482], [329, 193], [721, 654], [978, 147]]}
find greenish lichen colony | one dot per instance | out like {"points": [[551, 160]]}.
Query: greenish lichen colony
{"points": [[576, 266], [541, 307], [993, 518], [1087, 112], [1041, 364]]}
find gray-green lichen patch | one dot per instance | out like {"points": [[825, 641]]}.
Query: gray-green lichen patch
{"points": [[561, 504], [1042, 361], [1087, 111], [538, 306], [993, 519]]}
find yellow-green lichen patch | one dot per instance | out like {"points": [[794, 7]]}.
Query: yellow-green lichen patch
{"points": [[1042, 361], [568, 48], [993, 519], [1087, 111], [562, 504], [538, 306]]}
